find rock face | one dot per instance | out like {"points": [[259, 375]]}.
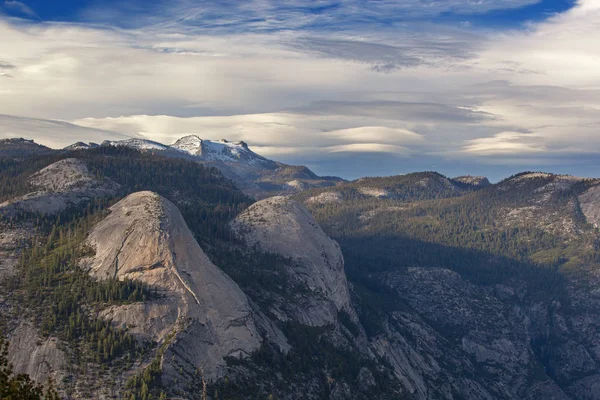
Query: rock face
{"points": [[590, 205], [35, 356], [283, 226], [12, 240], [464, 342], [60, 185], [146, 239], [325, 198], [221, 150]]}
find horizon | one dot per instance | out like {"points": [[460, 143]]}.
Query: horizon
{"points": [[348, 179], [345, 87]]}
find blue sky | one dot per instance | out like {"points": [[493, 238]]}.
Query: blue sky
{"points": [[348, 87], [99, 11]]}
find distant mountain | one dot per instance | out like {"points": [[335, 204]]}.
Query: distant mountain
{"points": [[221, 150], [18, 148], [475, 181], [410, 187], [256, 175], [81, 146], [139, 144]]}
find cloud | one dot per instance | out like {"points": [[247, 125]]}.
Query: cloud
{"points": [[19, 8], [55, 134], [361, 148], [381, 134], [274, 15], [266, 130], [401, 110], [420, 44], [369, 148], [510, 143], [295, 81]]}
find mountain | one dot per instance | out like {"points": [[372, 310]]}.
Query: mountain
{"points": [[496, 279], [157, 277], [138, 144], [222, 150], [282, 226], [415, 186], [81, 146], [476, 181], [257, 176], [18, 148], [167, 298], [61, 185], [198, 314]]}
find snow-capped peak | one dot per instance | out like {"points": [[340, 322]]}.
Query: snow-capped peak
{"points": [[191, 144], [140, 144], [81, 146], [205, 150], [218, 150]]}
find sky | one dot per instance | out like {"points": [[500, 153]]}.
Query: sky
{"points": [[347, 87]]}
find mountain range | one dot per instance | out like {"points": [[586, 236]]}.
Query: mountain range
{"points": [[257, 176], [138, 270]]}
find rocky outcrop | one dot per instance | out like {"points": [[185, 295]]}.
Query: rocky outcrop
{"points": [[12, 240], [40, 358], [283, 226], [464, 341], [375, 192], [590, 205], [325, 198], [146, 239], [474, 181], [60, 185]]}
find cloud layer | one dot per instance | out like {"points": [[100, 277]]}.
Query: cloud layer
{"points": [[413, 93]]}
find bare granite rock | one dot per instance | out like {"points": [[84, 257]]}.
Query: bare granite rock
{"points": [[283, 226], [466, 341], [590, 205], [325, 198], [12, 240], [475, 181], [35, 356], [146, 239], [65, 183]]}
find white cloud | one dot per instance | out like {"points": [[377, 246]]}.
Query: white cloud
{"points": [[282, 130], [510, 143], [448, 90], [55, 134], [369, 148], [381, 134], [273, 15]]}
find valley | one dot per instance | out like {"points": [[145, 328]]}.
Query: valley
{"points": [[138, 270]]}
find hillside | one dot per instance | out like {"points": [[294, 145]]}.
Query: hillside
{"points": [[147, 304], [523, 249], [257, 176], [156, 276], [19, 148]]}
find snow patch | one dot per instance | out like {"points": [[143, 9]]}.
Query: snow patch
{"points": [[374, 192], [325, 198], [140, 144]]}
